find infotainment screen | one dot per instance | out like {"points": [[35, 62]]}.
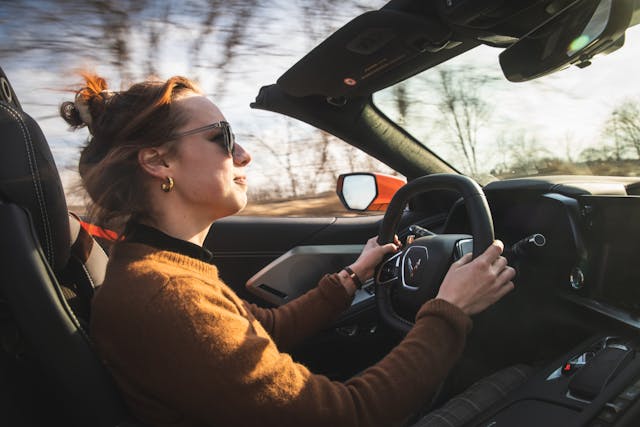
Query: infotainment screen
{"points": [[612, 233]]}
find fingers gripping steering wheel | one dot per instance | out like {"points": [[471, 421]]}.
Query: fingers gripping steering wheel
{"points": [[413, 275]]}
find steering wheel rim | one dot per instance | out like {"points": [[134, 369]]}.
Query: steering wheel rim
{"points": [[477, 210]]}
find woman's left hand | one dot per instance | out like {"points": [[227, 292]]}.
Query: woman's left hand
{"points": [[371, 256]]}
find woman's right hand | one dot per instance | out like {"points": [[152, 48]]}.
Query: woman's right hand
{"points": [[475, 285]]}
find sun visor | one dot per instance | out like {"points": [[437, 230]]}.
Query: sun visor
{"points": [[373, 51]]}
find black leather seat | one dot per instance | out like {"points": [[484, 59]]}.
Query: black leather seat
{"points": [[49, 374]]}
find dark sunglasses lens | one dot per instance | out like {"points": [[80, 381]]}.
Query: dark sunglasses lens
{"points": [[229, 139]]}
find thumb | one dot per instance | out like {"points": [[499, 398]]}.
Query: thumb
{"points": [[390, 248], [466, 258]]}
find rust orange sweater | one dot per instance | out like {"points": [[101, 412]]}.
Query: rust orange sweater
{"points": [[186, 351]]}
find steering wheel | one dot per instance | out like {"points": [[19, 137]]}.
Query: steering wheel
{"points": [[413, 275]]}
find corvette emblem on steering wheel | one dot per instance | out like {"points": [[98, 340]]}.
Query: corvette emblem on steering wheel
{"points": [[414, 261], [413, 268]]}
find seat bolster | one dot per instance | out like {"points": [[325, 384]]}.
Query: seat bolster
{"points": [[50, 327], [29, 176]]}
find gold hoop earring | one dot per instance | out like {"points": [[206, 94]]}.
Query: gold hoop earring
{"points": [[167, 186]]}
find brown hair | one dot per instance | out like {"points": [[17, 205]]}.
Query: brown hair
{"points": [[120, 124]]}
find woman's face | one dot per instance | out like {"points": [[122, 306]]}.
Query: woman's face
{"points": [[209, 181]]}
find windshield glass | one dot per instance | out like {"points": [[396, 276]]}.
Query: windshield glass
{"points": [[576, 121]]}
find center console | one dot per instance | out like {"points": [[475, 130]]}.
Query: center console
{"points": [[597, 384]]}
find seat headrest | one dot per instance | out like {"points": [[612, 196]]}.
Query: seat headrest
{"points": [[29, 177]]}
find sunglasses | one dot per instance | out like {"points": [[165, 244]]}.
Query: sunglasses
{"points": [[228, 141]]}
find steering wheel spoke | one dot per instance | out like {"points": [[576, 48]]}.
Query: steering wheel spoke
{"points": [[389, 271]]}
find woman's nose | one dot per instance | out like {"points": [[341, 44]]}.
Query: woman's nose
{"points": [[241, 157]]}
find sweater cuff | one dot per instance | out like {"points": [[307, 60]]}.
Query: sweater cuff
{"points": [[447, 311], [333, 291]]}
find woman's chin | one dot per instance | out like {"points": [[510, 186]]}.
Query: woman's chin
{"points": [[242, 203]]}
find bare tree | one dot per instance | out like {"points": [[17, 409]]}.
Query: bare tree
{"points": [[623, 126], [287, 161], [325, 167], [157, 27], [133, 38], [569, 146], [206, 28], [593, 154], [402, 102], [521, 154], [464, 110], [116, 31]]}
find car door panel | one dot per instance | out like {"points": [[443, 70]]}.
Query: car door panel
{"points": [[242, 246]]}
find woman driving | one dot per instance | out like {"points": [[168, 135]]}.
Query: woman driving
{"points": [[162, 165]]}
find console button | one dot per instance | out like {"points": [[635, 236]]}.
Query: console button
{"points": [[631, 393], [594, 376], [608, 415], [618, 405], [572, 365]]}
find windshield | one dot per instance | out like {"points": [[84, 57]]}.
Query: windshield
{"points": [[576, 121]]}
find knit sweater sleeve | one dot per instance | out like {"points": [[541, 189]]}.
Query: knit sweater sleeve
{"points": [[216, 366], [304, 316]]}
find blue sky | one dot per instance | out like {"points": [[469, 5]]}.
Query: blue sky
{"points": [[567, 106]]}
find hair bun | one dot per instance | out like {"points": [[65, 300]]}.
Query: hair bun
{"points": [[70, 114], [82, 107], [88, 103]]}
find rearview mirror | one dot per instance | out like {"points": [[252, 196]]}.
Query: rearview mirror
{"points": [[367, 191], [572, 36]]}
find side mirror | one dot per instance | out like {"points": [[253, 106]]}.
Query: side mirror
{"points": [[572, 36], [367, 191]]}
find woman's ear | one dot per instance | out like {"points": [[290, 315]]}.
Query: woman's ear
{"points": [[152, 161]]}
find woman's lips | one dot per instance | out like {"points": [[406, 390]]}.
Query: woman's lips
{"points": [[242, 180]]}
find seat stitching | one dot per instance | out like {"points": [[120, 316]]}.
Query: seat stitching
{"points": [[450, 411], [86, 271], [520, 371], [498, 387], [471, 403], [33, 169], [443, 419]]}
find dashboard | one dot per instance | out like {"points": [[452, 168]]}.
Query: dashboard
{"points": [[574, 315], [591, 229], [576, 296]]}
